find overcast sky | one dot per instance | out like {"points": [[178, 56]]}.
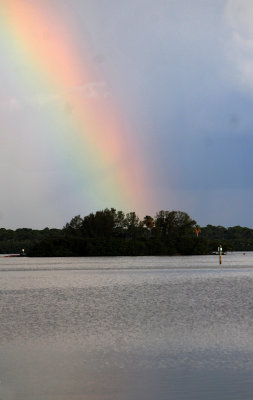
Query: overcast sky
{"points": [[181, 75]]}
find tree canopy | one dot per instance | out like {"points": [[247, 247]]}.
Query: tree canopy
{"points": [[110, 232]]}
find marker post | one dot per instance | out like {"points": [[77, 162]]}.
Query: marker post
{"points": [[220, 254]]}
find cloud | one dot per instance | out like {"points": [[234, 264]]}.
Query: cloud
{"points": [[11, 104], [240, 16], [41, 100], [90, 90], [239, 20], [14, 104], [98, 89]]}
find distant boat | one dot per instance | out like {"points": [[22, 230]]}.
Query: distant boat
{"points": [[21, 254]]}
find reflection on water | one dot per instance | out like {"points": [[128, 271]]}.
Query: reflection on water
{"points": [[126, 328]]}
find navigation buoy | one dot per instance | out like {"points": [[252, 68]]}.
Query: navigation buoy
{"points": [[220, 254]]}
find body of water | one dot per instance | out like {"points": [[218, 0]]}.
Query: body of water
{"points": [[143, 328]]}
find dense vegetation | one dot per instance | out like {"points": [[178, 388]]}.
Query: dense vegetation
{"points": [[113, 233]]}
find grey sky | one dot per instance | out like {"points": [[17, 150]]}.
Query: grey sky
{"points": [[181, 74]]}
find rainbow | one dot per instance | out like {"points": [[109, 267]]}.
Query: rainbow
{"points": [[92, 143]]}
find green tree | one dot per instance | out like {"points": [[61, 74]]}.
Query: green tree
{"points": [[101, 224], [133, 225], [161, 222], [74, 226], [148, 221]]}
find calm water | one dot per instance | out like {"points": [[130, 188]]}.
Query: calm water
{"points": [[153, 328]]}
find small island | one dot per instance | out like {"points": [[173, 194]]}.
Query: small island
{"points": [[113, 233]]}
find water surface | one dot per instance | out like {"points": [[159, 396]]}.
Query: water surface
{"points": [[126, 328]]}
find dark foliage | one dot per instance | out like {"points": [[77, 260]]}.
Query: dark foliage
{"points": [[112, 233]]}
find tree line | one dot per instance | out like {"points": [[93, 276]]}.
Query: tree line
{"points": [[113, 233]]}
